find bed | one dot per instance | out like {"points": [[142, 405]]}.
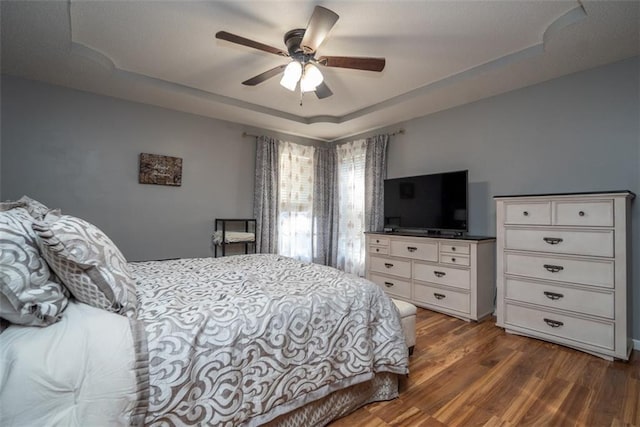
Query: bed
{"points": [[242, 340]]}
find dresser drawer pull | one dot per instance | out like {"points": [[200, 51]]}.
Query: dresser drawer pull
{"points": [[377, 249], [377, 241], [553, 268], [388, 284], [525, 213], [439, 296], [552, 240], [388, 265], [412, 248], [453, 260], [581, 213], [439, 273], [553, 323], [552, 295]]}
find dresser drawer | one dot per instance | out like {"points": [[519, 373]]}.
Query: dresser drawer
{"points": [[576, 242], [394, 287], [462, 248], [382, 250], [391, 266], [573, 270], [380, 241], [560, 297], [592, 213], [457, 277], [445, 298], [415, 250], [565, 326], [530, 213], [454, 259]]}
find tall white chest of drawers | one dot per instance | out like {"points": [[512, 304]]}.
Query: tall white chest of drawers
{"points": [[450, 275], [563, 269]]}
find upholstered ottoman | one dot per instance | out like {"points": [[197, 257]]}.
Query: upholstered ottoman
{"points": [[408, 316]]}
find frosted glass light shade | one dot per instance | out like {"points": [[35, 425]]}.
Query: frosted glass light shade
{"points": [[311, 79], [292, 74]]}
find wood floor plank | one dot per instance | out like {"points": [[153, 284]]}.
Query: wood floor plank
{"points": [[475, 374]]}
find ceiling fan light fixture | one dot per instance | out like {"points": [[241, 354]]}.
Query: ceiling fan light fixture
{"points": [[291, 75], [311, 78]]}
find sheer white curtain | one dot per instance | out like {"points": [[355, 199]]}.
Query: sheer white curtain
{"points": [[295, 202], [351, 206]]}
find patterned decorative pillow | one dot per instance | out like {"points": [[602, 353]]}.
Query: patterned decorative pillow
{"points": [[29, 294], [88, 263]]}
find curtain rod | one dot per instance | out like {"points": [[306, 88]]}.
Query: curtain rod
{"points": [[398, 132]]}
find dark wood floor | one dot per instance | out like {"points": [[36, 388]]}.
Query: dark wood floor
{"points": [[474, 374]]}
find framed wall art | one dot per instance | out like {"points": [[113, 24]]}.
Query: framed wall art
{"points": [[160, 170]]}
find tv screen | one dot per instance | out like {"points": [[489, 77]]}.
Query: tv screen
{"points": [[427, 202]]}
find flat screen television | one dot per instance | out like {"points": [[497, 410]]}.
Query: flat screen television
{"points": [[429, 203]]}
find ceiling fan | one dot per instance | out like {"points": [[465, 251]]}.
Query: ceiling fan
{"points": [[302, 45]]}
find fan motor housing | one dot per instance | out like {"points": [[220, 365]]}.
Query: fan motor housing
{"points": [[292, 40]]}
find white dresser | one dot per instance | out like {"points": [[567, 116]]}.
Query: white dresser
{"points": [[452, 276], [563, 269]]}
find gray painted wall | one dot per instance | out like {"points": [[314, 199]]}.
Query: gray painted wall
{"points": [[79, 152], [572, 134]]}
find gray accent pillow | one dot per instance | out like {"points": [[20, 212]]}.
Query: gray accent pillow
{"points": [[88, 263], [29, 294]]}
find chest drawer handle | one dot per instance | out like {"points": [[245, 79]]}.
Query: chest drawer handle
{"points": [[581, 213], [439, 273], [377, 241], [453, 248], [412, 248], [377, 249], [553, 323], [388, 284], [552, 240], [553, 268], [552, 295], [525, 213], [453, 260], [388, 265], [439, 296]]}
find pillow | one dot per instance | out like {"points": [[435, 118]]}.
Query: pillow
{"points": [[8, 204], [88, 263], [37, 209], [29, 294]]}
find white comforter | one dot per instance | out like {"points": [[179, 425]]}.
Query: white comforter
{"points": [[77, 372]]}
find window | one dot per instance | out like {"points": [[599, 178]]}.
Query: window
{"points": [[295, 201], [351, 206]]}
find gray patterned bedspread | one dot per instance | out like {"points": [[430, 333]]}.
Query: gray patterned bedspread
{"points": [[242, 339]]}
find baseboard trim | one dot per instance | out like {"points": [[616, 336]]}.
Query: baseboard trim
{"points": [[636, 344]]}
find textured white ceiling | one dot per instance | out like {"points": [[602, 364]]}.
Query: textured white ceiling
{"points": [[439, 54]]}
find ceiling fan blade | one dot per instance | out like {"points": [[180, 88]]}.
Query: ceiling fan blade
{"points": [[357, 63], [321, 22], [323, 91], [223, 35], [265, 76]]}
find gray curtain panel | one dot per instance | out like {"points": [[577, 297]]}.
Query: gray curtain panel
{"points": [[375, 172], [325, 207], [265, 199]]}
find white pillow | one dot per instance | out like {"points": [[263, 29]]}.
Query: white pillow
{"points": [[88, 263], [29, 294]]}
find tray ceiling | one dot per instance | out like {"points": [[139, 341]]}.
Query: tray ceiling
{"points": [[439, 54]]}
